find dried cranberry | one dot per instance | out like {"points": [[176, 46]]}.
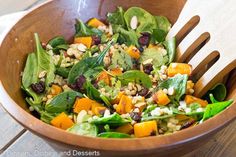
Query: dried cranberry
{"points": [[153, 133], [44, 45], [96, 40], [38, 87], [95, 83], [147, 68], [143, 92], [141, 49], [73, 86], [187, 124], [144, 39], [135, 116], [146, 34], [80, 82]]}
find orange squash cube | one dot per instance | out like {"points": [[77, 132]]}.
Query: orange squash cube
{"points": [[62, 121], [161, 98], [145, 129], [179, 68]]}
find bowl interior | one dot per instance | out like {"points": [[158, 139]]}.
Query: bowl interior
{"points": [[58, 18]]}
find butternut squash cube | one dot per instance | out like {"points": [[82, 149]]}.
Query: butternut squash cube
{"points": [[145, 129], [62, 121], [125, 105], [161, 98], [179, 68]]}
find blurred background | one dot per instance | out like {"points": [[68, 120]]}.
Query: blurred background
{"points": [[11, 6]]}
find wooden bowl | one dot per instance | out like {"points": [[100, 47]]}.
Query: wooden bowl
{"points": [[58, 18]]}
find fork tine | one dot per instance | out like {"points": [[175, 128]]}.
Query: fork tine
{"points": [[194, 39], [182, 27], [202, 57], [214, 75]]}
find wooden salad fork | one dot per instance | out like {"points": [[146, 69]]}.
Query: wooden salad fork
{"points": [[206, 39]]}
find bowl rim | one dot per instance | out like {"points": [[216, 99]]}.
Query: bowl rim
{"points": [[134, 144]]}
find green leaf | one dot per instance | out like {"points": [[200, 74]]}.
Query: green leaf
{"points": [[86, 129], [121, 59], [47, 117], [113, 135], [112, 120], [45, 61], [91, 91], [106, 100], [64, 72], [83, 30], [215, 108], [129, 37], [59, 40], [89, 63], [158, 35], [163, 23], [148, 118], [155, 54], [36, 63], [117, 17], [30, 71], [170, 46], [193, 113], [62, 102], [58, 43], [137, 77], [178, 82], [145, 20], [218, 91]]}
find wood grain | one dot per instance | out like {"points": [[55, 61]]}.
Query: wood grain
{"points": [[223, 144], [9, 129], [29, 145]]}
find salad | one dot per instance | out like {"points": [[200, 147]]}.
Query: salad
{"points": [[118, 79]]}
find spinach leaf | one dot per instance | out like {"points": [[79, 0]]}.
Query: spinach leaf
{"points": [[170, 46], [215, 108], [163, 23], [218, 91], [146, 21], [178, 82], [154, 53], [158, 35], [112, 120], [62, 102], [91, 91], [36, 63], [44, 61], [59, 40], [64, 72], [137, 77], [30, 74], [58, 43], [129, 37], [121, 59], [89, 63], [86, 129], [148, 118], [114, 135], [212, 99], [83, 29], [193, 109], [47, 117], [117, 17]]}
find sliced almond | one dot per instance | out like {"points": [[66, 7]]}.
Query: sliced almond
{"points": [[134, 22], [81, 47]]}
